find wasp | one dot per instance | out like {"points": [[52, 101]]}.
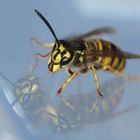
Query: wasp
{"points": [[83, 53]]}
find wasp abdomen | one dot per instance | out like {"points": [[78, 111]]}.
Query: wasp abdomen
{"points": [[107, 48], [114, 62]]}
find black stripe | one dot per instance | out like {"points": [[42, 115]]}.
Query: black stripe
{"points": [[113, 47], [112, 61], [106, 47], [94, 45]]}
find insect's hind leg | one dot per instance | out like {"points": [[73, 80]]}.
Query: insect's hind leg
{"points": [[43, 44], [120, 73], [96, 80]]}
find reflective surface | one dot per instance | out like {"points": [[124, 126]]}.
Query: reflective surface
{"points": [[72, 113], [29, 108]]}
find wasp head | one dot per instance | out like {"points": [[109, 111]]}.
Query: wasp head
{"points": [[61, 56]]}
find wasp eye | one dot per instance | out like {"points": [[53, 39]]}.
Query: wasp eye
{"points": [[64, 61]]}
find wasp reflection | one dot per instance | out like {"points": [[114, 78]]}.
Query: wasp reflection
{"points": [[25, 95], [71, 112], [79, 110]]}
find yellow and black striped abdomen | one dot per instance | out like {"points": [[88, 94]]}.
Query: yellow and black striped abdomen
{"points": [[115, 62], [107, 59]]}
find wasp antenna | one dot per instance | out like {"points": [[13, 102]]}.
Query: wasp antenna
{"points": [[47, 23]]}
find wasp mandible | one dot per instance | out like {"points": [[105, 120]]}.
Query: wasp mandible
{"points": [[84, 53]]}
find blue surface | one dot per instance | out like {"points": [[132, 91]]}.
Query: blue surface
{"points": [[18, 23]]}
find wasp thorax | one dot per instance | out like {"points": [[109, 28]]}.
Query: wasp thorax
{"points": [[60, 57]]}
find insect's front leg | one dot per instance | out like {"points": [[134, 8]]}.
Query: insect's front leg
{"points": [[33, 66], [43, 55], [96, 80], [43, 44], [72, 75]]}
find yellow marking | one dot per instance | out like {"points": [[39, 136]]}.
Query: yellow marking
{"points": [[61, 48], [78, 51], [121, 65], [58, 58], [68, 55], [100, 46], [81, 59], [55, 68], [99, 60], [115, 63], [107, 61]]}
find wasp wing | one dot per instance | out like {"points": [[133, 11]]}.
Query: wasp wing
{"points": [[88, 35], [128, 55], [97, 31]]}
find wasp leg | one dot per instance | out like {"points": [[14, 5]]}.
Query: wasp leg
{"points": [[67, 103], [72, 75], [32, 67], [45, 44], [34, 62], [96, 80], [120, 73], [43, 55]]}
